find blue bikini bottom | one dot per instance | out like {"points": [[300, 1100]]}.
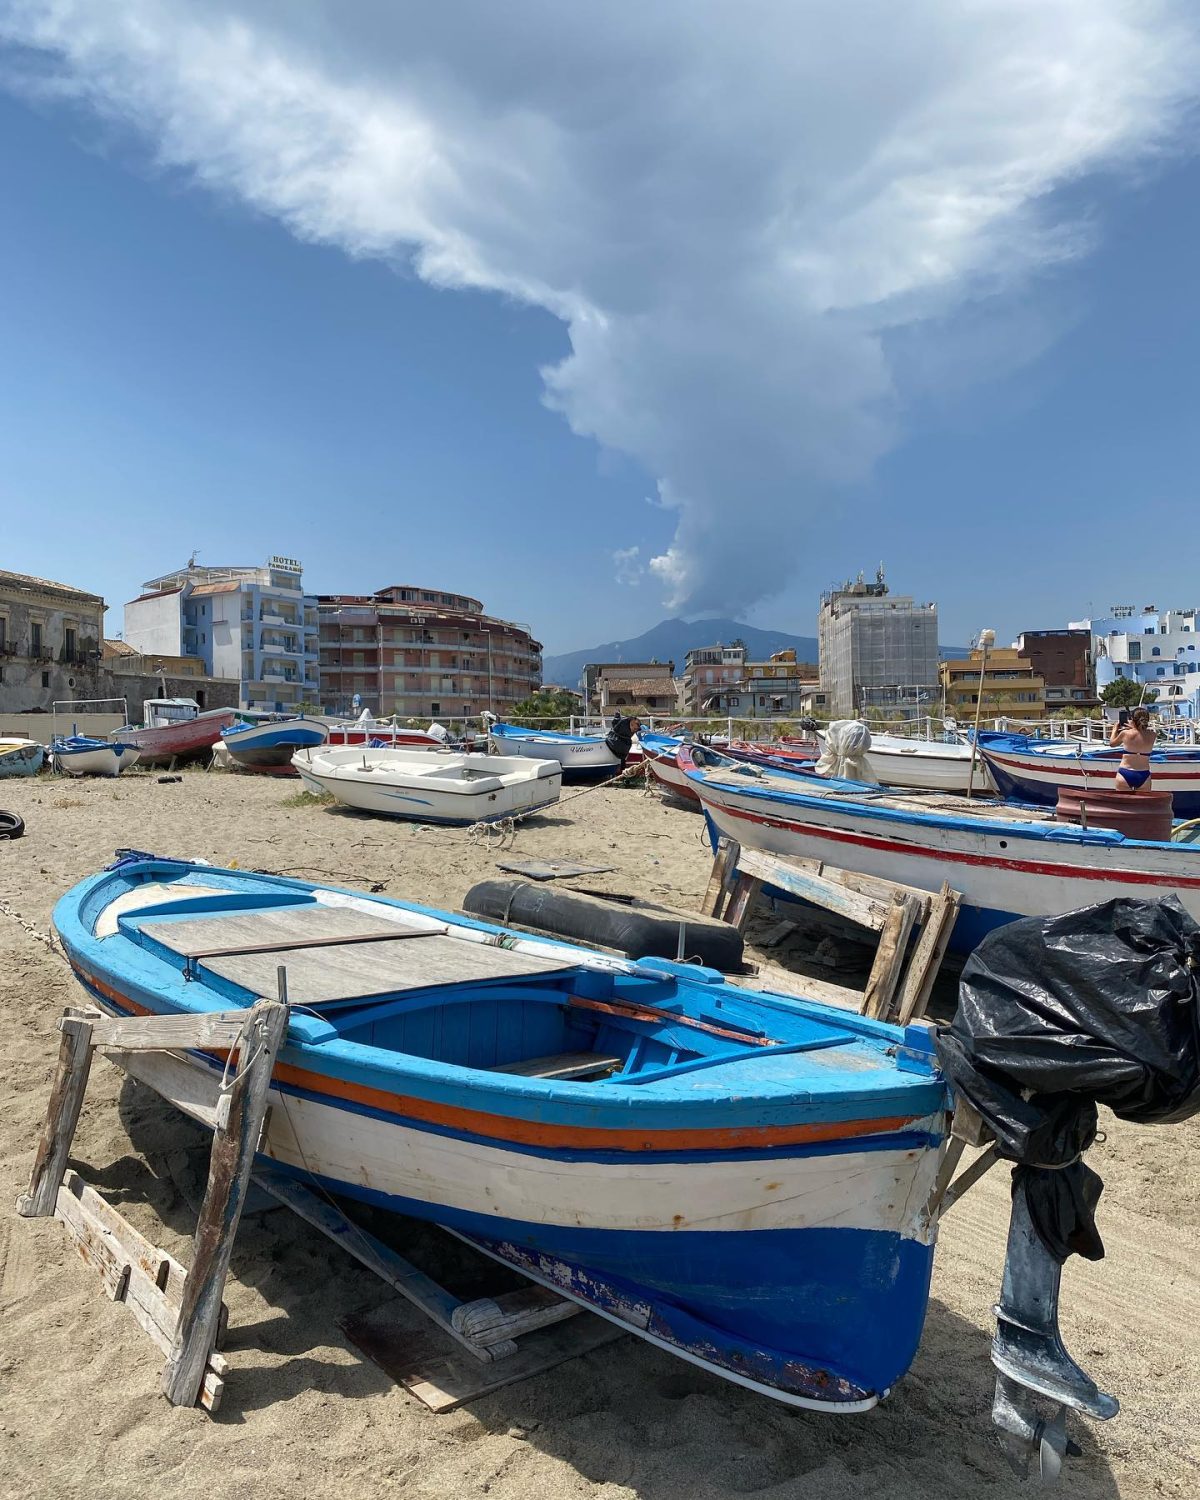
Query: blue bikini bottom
{"points": [[1133, 779]]}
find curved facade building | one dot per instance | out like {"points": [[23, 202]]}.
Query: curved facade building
{"points": [[422, 653]]}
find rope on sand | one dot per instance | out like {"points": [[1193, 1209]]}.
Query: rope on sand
{"points": [[46, 938]]}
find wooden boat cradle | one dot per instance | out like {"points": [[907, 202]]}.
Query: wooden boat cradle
{"points": [[183, 1312]]}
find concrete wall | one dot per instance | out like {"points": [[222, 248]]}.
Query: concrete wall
{"points": [[41, 726], [22, 691], [155, 625]]}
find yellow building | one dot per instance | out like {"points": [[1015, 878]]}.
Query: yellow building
{"points": [[1011, 688]]}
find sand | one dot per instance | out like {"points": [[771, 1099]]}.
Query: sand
{"points": [[305, 1414]]}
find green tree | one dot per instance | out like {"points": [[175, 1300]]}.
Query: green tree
{"points": [[1124, 692], [548, 708]]}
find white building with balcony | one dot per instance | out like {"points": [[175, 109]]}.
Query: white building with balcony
{"points": [[1157, 648], [252, 625]]}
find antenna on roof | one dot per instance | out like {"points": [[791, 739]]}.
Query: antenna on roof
{"points": [[192, 560]]}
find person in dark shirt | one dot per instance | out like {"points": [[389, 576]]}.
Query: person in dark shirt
{"points": [[619, 738]]}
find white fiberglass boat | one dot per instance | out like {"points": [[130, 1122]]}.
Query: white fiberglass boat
{"points": [[430, 786]]}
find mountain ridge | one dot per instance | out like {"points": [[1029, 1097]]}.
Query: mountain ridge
{"points": [[671, 640]]}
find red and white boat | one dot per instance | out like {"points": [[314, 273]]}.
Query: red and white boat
{"points": [[364, 729], [175, 730]]}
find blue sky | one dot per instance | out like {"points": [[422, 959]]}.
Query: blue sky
{"points": [[192, 366]]}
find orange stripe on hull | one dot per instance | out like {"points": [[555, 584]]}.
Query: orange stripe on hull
{"points": [[504, 1128]]}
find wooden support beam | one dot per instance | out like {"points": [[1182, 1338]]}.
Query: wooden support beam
{"points": [[806, 885], [745, 893], [984, 1162], [146, 1279], [433, 1300], [217, 1028], [62, 1116], [493, 1320], [889, 961], [930, 950], [724, 864], [234, 1146]]}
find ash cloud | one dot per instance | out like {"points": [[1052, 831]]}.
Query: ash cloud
{"points": [[731, 207]]}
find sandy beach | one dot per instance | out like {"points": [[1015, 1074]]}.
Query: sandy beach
{"points": [[305, 1414]]}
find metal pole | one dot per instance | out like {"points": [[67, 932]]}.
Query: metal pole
{"points": [[986, 637]]}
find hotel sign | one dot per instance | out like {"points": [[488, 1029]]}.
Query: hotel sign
{"points": [[286, 564]]}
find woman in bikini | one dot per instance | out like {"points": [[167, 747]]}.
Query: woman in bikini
{"points": [[1135, 740]]}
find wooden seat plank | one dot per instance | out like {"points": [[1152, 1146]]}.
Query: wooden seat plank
{"points": [[561, 1065], [321, 974]]}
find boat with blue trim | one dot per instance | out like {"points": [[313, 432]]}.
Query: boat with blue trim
{"points": [[21, 757], [267, 746], [743, 1179], [85, 755], [1008, 861], [583, 757], [1033, 770]]}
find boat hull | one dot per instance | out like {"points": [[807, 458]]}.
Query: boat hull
{"points": [[782, 1245], [21, 757], [268, 748], [97, 760], [1001, 873], [582, 758], [189, 740], [924, 765], [1027, 774], [485, 795]]}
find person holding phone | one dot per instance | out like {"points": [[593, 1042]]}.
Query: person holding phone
{"points": [[1132, 735]]}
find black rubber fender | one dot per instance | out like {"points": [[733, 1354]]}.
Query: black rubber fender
{"points": [[638, 929], [12, 825]]}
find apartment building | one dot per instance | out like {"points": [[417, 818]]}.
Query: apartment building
{"points": [[422, 653], [252, 625], [873, 641]]}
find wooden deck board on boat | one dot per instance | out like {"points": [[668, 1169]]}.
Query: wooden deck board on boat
{"points": [[915, 801], [346, 967]]}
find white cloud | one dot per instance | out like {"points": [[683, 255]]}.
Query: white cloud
{"points": [[627, 566], [730, 206]]}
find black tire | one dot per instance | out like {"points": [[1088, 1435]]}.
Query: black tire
{"points": [[638, 929], [12, 825]]}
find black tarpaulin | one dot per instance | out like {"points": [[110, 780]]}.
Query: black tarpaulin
{"points": [[1059, 1014]]}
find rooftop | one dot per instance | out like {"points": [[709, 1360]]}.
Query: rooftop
{"points": [[44, 585]]}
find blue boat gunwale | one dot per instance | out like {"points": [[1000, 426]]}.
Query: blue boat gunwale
{"points": [[909, 1085]]}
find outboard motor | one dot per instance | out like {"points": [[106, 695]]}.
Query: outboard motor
{"points": [[1056, 1015]]}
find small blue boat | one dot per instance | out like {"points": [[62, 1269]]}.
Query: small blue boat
{"points": [[84, 755], [583, 757], [21, 757], [742, 1179], [268, 746]]}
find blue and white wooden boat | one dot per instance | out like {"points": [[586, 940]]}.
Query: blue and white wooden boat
{"points": [[85, 755], [583, 757], [21, 757], [741, 1179], [268, 746], [1007, 861], [1032, 770]]}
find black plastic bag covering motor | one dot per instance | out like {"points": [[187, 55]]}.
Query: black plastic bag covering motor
{"points": [[1057, 1014]]}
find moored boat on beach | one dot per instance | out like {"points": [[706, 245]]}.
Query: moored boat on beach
{"points": [[1007, 861], [430, 786], [1032, 770], [924, 765], [267, 747], [85, 755], [741, 1179], [583, 757], [175, 730], [21, 757]]}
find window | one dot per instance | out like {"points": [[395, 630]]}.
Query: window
{"points": [[1154, 651], [35, 643], [1162, 671], [734, 701], [435, 708], [1135, 650], [45, 679], [69, 643], [3, 632]]}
